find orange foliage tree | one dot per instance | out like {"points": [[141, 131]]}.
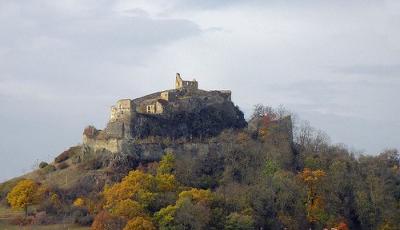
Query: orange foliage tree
{"points": [[105, 221]]}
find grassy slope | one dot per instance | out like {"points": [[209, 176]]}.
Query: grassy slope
{"points": [[64, 178], [7, 214]]}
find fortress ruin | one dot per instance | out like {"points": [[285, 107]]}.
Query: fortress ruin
{"points": [[163, 102], [127, 115]]}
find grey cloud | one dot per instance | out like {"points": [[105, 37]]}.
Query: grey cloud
{"points": [[62, 66], [219, 4], [375, 70], [74, 51], [63, 63]]}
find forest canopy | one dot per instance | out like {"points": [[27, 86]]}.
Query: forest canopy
{"points": [[269, 175]]}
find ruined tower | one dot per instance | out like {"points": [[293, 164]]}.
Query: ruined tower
{"points": [[181, 84]]}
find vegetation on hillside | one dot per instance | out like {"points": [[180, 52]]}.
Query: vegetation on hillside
{"points": [[259, 177]]}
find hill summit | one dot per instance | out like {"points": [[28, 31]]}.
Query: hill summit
{"points": [[183, 112], [185, 158]]}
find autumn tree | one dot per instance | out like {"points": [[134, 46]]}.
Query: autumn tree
{"points": [[138, 194], [129, 209], [314, 203], [239, 221], [167, 164], [105, 221], [165, 179], [137, 186], [140, 223], [24, 194], [79, 202], [191, 211]]}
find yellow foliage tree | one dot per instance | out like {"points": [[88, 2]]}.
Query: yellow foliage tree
{"points": [[79, 202], [128, 209], [166, 182], [23, 195], [315, 205], [137, 186], [138, 191], [196, 195], [140, 223]]}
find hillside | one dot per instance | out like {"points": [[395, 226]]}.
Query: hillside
{"points": [[186, 159]]}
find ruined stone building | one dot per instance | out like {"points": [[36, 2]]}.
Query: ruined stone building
{"points": [[189, 85], [165, 101], [186, 97]]}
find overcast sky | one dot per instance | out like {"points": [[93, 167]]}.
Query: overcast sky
{"points": [[64, 63]]}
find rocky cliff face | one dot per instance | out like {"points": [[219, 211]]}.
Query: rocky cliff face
{"points": [[205, 121]]}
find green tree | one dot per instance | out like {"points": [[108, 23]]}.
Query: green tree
{"points": [[191, 211], [270, 168], [238, 221], [167, 164]]}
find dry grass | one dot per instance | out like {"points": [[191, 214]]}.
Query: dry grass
{"points": [[7, 214], [5, 226]]}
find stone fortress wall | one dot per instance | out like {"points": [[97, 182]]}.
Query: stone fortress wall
{"points": [[185, 97], [121, 110]]}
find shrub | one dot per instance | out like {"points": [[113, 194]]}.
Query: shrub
{"points": [[122, 163], [41, 218], [95, 160], [76, 159], [84, 220], [85, 185], [49, 169], [22, 221], [48, 207], [82, 217], [239, 221], [93, 164], [105, 221], [43, 164], [140, 223]]}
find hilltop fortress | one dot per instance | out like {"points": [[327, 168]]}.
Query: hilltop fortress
{"points": [[185, 111], [162, 103]]}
